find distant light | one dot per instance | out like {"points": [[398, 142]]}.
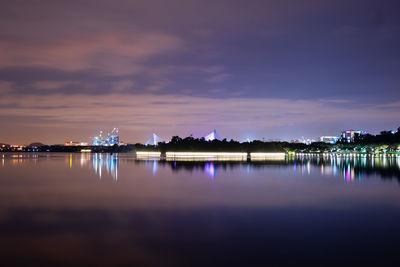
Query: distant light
{"points": [[148, 154], [204, 154], [267, 156]]}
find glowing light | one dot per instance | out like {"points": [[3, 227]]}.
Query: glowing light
{"points": [[204, 155], [148, 154], [267, 156]]}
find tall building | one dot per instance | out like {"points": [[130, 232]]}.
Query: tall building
{"points": [[349, 135], [113, 138]]}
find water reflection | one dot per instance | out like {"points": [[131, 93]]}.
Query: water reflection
{"points": [[108, 162], [153, 164], [351, 168], [100, 163], [209, 168]]}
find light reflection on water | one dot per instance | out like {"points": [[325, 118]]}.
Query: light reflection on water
{"points": [[107, 162], [350, 168], [209, 168]]}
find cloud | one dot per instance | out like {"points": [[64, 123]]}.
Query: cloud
{"points": [[6, 86], [123, 86], [219, 78], [51, 85], [157, 86], [214, 69], [391, 105], [338, 101], [114, 53]]}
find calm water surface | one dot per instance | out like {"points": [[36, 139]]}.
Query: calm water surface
{"points": [[102, 209]]}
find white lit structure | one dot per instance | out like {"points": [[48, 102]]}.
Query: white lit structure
{"points": [[154, 140], [302, 141], [147, 154], [212, 136], [206, 156], [329, 139], [112, 139], [267, 156]]}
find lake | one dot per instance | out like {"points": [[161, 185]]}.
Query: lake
{"points": [[102, 209]]}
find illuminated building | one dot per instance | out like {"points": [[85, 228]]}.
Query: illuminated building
{"points": [[98, 140], [299, 141], [329, 139], [349, 135], [112, 139]]}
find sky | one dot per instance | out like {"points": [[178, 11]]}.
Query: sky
{"points": [[249, 69]]}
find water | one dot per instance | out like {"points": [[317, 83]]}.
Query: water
{"points": [[102, 209]]}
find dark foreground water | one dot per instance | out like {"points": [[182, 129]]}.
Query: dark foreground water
{"points": [[101, 209]]}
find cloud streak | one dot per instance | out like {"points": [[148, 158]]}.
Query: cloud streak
{"points": [[113, 53]]}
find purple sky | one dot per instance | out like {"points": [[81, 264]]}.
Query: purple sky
{"points": [[250, 69]]}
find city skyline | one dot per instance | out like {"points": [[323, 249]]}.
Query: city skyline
{"points": [[251, 70]]}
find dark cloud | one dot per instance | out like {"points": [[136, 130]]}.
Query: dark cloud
{"points": [[322, 49]]}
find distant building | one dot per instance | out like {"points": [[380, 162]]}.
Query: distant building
{"points": [[112, 139], [349, 135], [99, 140], [212, 136], [329, 139], [302, 141], [154, 140]]}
